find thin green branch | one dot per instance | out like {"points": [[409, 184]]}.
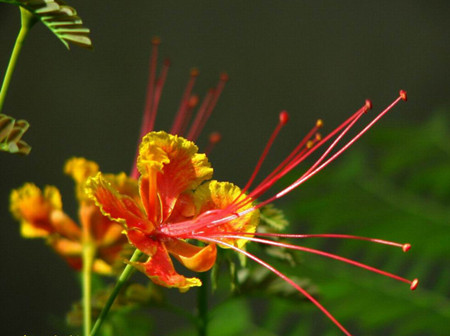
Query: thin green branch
{"points": [[129, 269], [27, 21], [202, 304]]}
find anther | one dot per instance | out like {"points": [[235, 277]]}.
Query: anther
{"points": [[368, 104], [284, 117], [224, 77], [156, 41], [403, 95], [318, 137], [194, 72], [309, 144], [414, 284], [319, 123], [406, 247], [193, 101], [167, 62], [215, 137]]}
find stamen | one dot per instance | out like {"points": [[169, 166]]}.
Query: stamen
{"points": [[283, 119], [158, 91], [181, 113], [204, 116], [305, 177], [192, 103], [214, 138], [314, 251], [148, 101], [200, 113], [279, 274]]}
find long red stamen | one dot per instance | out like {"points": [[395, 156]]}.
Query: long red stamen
{"points": [[281, 275], [158, 91], [214, 138], [405, 247], [184, 104], [305, 177], [203, 117], [148, 101], [201, 111], [318, 252], [192, 103]]}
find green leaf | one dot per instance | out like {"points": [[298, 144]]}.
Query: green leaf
{"points": [[11, 132], [61, 19]]}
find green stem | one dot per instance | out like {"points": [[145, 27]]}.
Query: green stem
{"points": [[88, 259], [202, 303], [27, 21], [120, 282]]}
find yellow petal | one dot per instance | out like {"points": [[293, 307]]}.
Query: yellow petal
{"points": [[196, 258], [177, 165], [80, 169], [215, 195]]}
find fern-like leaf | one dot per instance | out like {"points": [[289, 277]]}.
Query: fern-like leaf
{"points": [[61, 19], [11, 132]]}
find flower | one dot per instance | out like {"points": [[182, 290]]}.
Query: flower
{"points": [[172, 189], [41, 216], [178, 203]]}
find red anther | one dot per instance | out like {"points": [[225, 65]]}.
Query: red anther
{"points": [[319, 123], [403, 95], [167, 62], [284, 117], [224, 77], [406, 247], [193, 101], [368, 104], [414, 284], [194, 72], [156, 40], [215, 137]]}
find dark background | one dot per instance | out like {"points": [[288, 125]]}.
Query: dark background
{"points": [[315, 59]]}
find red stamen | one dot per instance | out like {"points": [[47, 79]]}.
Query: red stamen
{"points": [[158, 91], [305, 177], [281, 275], [183, 108], [203, 118], [148, 101], [200, 113], [314, 251], [283, 119], [214, 138], [192, 103]]}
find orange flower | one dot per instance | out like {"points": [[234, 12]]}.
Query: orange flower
{"points": [[171, 191], [41, 216]]}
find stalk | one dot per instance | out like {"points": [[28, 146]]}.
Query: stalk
{"points": [[88, 259], [202, 304], [27, 21], [126, 273]]}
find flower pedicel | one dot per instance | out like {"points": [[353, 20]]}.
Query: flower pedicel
{"points": [[179, 202]]}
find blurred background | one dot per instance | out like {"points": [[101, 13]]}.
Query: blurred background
{"points": [[317, 59]]}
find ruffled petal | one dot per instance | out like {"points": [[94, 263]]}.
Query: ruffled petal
{"points": [[196, 258], [159, 268], [117, 207], [177, 165], [215, 195], [80, 170]]}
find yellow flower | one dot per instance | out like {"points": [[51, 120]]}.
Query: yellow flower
{"points": [[41, 216]]}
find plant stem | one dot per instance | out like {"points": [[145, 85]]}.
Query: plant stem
{"points": [[88, 259], [129, 269], [202, 304], [27, 21]]}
